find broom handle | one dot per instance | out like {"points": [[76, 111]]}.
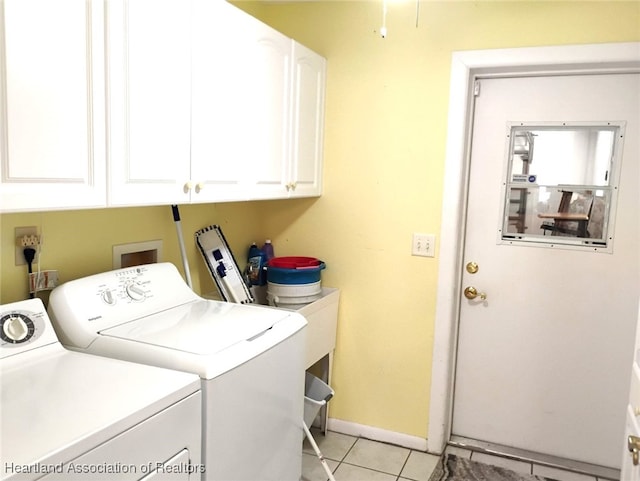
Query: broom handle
{"points": [[183, 254], [318, 453]]}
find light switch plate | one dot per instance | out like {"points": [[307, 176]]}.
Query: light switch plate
{"points": [[424, 245]]}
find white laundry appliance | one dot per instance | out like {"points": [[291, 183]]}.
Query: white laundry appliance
{"points": [[250, 360], [72, 416]]}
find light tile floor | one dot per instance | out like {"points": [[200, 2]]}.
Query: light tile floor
{"points": [[358, 459]]}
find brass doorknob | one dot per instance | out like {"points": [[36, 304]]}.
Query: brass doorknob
{"points": [[633, 443], [471, 293]]}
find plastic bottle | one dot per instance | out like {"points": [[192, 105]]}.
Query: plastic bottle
{"points": [[255, 262], [267, 249]]}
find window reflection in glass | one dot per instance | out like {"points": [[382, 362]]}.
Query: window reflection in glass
{"points": [[559, 183], [565, 211]]}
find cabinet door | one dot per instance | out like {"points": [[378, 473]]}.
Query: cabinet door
{"points": [[221, 145], [268, 69], [51, 105], [149, 62], [307, 122]]}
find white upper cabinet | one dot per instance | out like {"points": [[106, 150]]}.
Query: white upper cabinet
{"points": [[305, 169], [288, 115], [149, 99], [51, 105], [150, 102], [257, 109], [178, 102], [269, 71], [221, 143]]}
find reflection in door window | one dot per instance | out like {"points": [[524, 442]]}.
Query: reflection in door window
{"points": [[560, 183]]}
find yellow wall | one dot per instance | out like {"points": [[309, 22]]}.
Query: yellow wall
{"points": [[385, 133], [80, 243]]}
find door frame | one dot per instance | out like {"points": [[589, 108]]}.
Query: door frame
{"points": [[466, 67]]}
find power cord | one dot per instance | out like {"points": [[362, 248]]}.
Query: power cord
{"points": [[29, 255]]}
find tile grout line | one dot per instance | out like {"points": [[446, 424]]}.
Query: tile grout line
{"points": [[373, 469], [404, 465], [345, 455], [342, 461]]}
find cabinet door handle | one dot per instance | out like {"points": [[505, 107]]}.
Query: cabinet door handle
{"points": [[199, 187], [187, 187]]}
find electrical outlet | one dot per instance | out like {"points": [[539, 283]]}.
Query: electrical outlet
{"points": [[424, 245], [26, 237], [29, 241]]}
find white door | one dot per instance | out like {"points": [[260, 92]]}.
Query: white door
{"points": [[631, 445], [543, 362]]}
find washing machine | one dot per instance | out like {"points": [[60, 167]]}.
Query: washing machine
{"points": [[250, 360], [71, 416]]}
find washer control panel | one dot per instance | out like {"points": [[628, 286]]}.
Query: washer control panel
{"points": [[84, 308], [24, 326], [125, 285]]}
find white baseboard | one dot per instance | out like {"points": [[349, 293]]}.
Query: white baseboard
{"points": [[377, 434]]}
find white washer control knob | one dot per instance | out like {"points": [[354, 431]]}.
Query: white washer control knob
{"points": [[107, 297], [135, 292], [15, 329]]}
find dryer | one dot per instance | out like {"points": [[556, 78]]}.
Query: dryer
{"points": [[73, 416], [250, 360]]}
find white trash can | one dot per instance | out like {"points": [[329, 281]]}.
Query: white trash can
{"points": [[316, 395]]}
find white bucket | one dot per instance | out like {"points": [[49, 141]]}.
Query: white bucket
{"points": [[293, 296], [291, 302], [294, 290]]}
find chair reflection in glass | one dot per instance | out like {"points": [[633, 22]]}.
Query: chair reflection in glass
{"points": [[573, 215]]}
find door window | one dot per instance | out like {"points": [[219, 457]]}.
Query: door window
{"points": [[560, 184]]}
